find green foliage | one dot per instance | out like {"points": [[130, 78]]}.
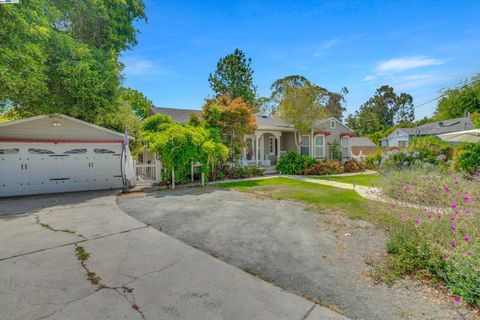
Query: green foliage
{"points": [[294, 163], [374, 159], [353, 165], [324, 168], [467, 157], [336, 151], [62, 56], [139, 103], [377, 135], [229, 120], [234, 77], [245, 172], [455, 102], [178, 146], [382, 111], [476, 119]]}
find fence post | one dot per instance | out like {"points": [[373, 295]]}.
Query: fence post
{"points": [[191, 171], [173, 179], [158, 171]]}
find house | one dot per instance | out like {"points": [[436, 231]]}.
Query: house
{"points": [[362, 147], [401, 136], [58, 153], [273, 138]]}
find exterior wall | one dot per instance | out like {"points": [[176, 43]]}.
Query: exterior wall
{"points": [[43, 129], [287, 142], [333, 137], [395, 137]]}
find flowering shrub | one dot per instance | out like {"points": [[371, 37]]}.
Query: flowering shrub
{"points": [[353, 165], [373, 160], [324, 168], [294, 163], [440, 231]]}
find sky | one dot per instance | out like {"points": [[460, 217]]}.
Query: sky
{"points": [[418, 47]]}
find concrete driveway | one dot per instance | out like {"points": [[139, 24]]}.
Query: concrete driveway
{"points": [[78, 256], [320, 255]]}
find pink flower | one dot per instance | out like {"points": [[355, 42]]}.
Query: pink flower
{"points": [[407, 189], [453, 228], [446, 188], [469, 254], [429, 217], [467, 199], [417, 221], [445, 258], [454, 206], [454, 243], [466, 239], [453, 219], [456, 299]]}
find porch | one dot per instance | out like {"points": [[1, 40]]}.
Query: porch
{"points": [[265, 147]]}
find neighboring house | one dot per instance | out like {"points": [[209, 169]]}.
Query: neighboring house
{"points": [[57, 153], [362, 147], [273, 138], [401, 136]]}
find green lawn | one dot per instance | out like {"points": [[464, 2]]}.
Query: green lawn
{"points": [[367, 180], [317, 196]]}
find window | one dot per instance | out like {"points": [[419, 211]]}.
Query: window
{"points": [[402, 143], [40, 151], [9, 151], [305, 145], [332, 124], [319, 146], [345, 147], [103, 151], [75, 151], [271, 145]]}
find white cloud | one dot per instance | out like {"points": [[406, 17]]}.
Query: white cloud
{"points": [[331, 42], [325, 46], [369, 77], [135, 67], [406, 63], [415, 81]]}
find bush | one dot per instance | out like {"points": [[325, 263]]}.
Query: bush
{"points": [[439, 235], [245, 172], [373, 160], [353, 165], [325, 168], [294, 163], [467, 157]]}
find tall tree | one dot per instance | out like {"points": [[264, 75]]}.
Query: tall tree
{"points": [[140, 104], [230, 119], [61, 56], [234, 77], [458, 101], [382, 111], [302, 106], [335, 103]]}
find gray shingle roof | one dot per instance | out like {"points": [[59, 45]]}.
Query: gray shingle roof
{"points": [[361, 142], [178, 115], [446, 126], [183, 115]]}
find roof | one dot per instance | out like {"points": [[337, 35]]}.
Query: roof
{"points": [[361, 142], [85, 123], [178, 115], [446, 126], [271, 122]]}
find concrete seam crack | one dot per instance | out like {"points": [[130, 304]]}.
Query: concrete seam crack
{"points": [[309, 311], [49, 227], [95, 280]]}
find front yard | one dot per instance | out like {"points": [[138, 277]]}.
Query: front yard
{"points": [[367, 180], [313, 240]]}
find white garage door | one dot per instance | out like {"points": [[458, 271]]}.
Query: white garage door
{"points": [[33, 168]]}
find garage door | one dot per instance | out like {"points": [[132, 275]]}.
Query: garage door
{"points": [[33, 168]]}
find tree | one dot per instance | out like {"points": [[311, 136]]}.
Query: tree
{"points": [[458, 101], [302, 106], [140, 104], [333, 101], [178, 146], [229, 119], [62, 56], [234, 77], [382, 111]]}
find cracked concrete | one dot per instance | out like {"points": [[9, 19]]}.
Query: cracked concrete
{"points": [[144, 273]]}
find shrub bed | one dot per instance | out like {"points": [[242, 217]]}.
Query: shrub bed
{"points": [[325, 168], [442, 238], [294, 163], [353, 165]]}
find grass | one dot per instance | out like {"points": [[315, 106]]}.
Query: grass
{"points": [[368, 180], [316, 196]]}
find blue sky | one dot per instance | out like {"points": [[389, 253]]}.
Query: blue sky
{"points": [[418, 47]]}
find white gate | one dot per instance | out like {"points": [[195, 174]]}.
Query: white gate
{"points": [[148, 172]]}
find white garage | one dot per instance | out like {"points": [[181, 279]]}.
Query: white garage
{"points": [[57, 153]]}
